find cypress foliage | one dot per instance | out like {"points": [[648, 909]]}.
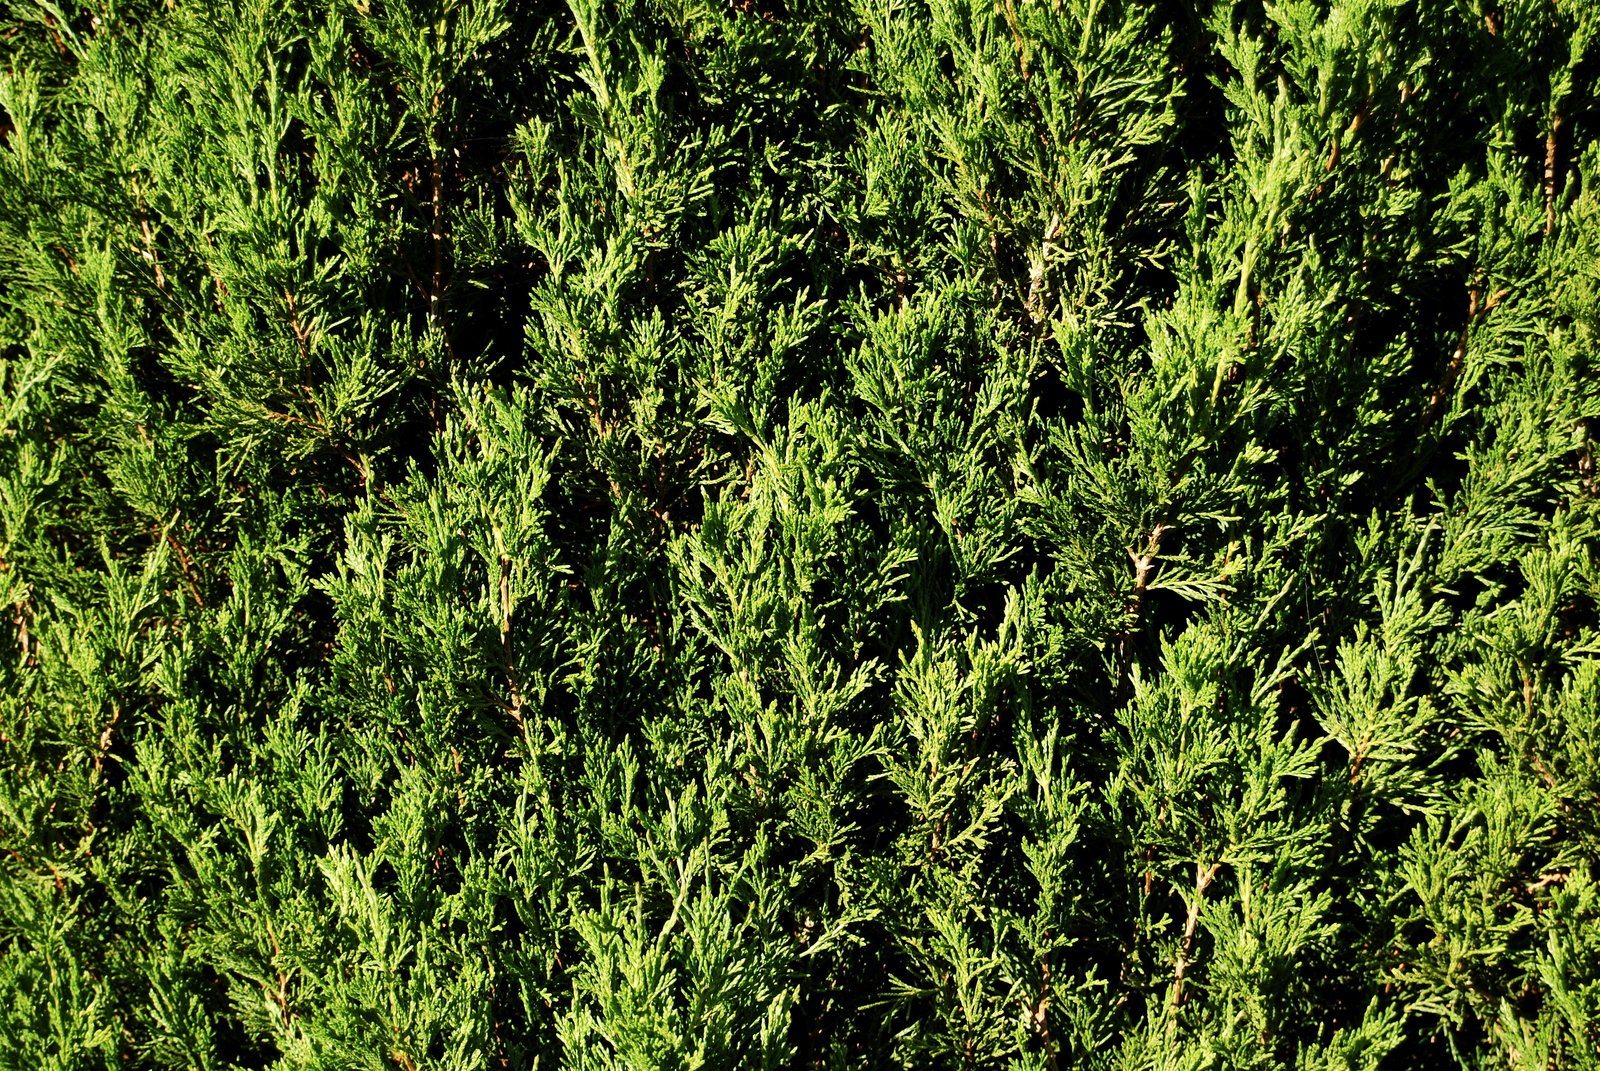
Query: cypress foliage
{"points": [[671, 534]]}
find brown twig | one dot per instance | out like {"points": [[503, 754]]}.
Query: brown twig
{"points": [[149, 238], [105, 741], [595, 416], [302, 340], [1359, 757], [65, 254], [1545, 881], [24, 641], [55, 36], [302, 335], [187, 565], [1039, 1014], [290, 418], [506, 648], [1357, 121], [281, 997], [1017, 39], [1144, 567], [436, 238], [1550, 148], [1476, 307], [1544, 771], [1203, 876]]}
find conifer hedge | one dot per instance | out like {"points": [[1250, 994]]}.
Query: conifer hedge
{"points": [[799, 534]]}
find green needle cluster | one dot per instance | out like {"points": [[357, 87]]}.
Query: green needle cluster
{"points": [[788, 534]]}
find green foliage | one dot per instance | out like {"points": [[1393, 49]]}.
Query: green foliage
{"points": [[667, 534]]}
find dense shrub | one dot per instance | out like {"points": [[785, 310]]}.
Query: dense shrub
{"points": [[929, 534]]}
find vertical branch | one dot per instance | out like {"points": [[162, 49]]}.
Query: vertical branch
{"points": [[99, 761], [436, 229], [1039, 1014], [302, 336], [1550, 151], [302, 341], [436, 239], [25, 643], [507, 651], [1203, 876], [1144, 567], [1476, 307], [1012, 24], [281, 996], [185, 563], [149, 251]]}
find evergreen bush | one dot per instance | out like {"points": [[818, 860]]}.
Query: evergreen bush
{"points": [[799, 534]]}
